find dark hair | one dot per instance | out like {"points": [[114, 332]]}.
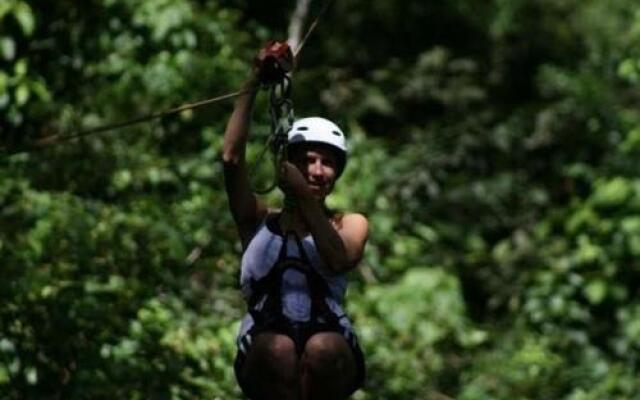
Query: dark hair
{"points": [[340, 156]]}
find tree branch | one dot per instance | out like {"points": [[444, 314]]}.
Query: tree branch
{"points": [[297, 22]]}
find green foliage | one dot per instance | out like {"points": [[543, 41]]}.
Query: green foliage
{"points": [[525, 368], [496, 160], [421, 321], [19, 83]]}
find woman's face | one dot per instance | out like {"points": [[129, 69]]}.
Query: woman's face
{"points": [[319, 167]]}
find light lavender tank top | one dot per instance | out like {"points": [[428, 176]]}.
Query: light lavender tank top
{"points": [[262, 254]]}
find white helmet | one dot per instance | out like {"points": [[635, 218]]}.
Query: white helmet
{"points": [[319, 130]]}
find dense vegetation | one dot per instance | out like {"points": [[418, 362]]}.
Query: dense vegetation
{"points": [[495, 149]]}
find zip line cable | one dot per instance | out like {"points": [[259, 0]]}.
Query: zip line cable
{"points": [[56, 139]]}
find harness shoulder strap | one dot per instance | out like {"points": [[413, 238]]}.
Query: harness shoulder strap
{"points": [[271, 284]]}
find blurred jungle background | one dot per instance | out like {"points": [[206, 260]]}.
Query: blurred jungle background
{"points": [[495, 151]]}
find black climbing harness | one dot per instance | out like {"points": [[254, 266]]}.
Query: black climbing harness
{"points": [[266, 306]]}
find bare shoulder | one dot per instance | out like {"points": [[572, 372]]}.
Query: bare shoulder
{"points": [[353, 228], [355, 225], [356, 220]]}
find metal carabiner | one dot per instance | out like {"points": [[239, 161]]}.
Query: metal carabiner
{"points": [[282, 117]]}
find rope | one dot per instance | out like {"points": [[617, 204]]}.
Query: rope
{"points": [[140, 119], [53, 140], [56, 139]]}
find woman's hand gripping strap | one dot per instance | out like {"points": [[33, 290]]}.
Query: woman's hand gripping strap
{"points": [[273, 62]]}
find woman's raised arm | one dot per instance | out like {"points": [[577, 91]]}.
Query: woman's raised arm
{"points": [[245, 207]]}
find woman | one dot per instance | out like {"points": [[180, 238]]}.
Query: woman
{"points": [[295, 342]]}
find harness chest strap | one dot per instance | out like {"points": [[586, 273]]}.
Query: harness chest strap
{"points": [[271, 285]]}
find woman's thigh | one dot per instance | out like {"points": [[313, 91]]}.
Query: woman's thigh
{"points": [[328, 367], [269, 369]]}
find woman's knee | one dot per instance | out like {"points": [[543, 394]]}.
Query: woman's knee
{"points": [[271, 368], [273, 351], [328, 353], [327, 367]]}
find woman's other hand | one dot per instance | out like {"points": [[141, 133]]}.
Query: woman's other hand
{"points": [[292, 181]]}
